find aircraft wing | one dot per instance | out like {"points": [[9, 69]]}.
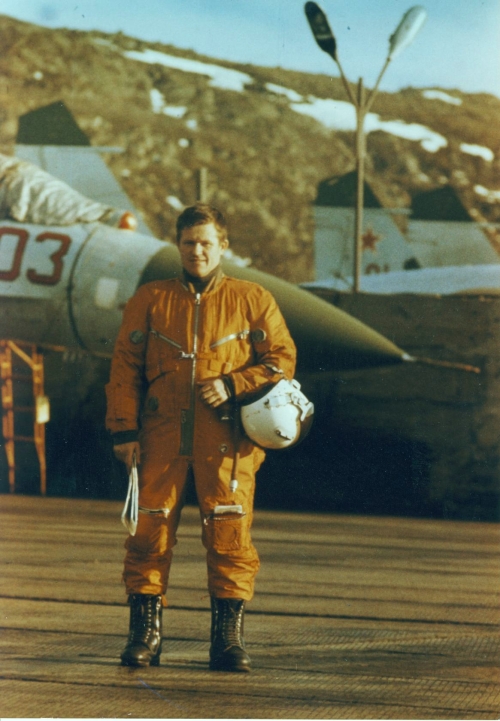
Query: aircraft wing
{"points": [[447, 280]]}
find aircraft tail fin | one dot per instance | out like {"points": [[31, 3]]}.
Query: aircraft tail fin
{"points": [[50, 138]]}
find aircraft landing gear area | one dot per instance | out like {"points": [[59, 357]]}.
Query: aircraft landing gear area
{"points": [[354, 617]]}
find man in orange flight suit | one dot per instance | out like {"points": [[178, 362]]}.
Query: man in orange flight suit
{"points": [[188, 350]]}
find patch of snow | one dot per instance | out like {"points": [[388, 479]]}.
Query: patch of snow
{"points": [[183, 142], [237, 259], [103, 41], [38, 75], [491, 196], [158, 105], [220, 77], [439, 95], [192, 124], [429, 140], [435, 281], [157, 100], [280, 90], [479, 150], [334, 114], [341, 115], [174, 202], [460, 177], [175, 111]]}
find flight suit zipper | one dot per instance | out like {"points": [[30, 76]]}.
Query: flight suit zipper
{"points": [[187, 415]]}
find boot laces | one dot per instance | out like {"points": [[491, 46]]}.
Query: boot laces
{"points": [[146, 627], [232, 626]]}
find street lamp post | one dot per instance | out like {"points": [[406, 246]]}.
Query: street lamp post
{"points": [[360, 184], [409, 26]]}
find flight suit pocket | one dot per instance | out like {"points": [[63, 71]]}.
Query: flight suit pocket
{"points": [[225, 533]]}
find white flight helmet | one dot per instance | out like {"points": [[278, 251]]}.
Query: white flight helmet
{"points": [[280, 418]]}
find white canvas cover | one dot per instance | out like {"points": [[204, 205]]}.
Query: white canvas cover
{"points": [[31, 195]]}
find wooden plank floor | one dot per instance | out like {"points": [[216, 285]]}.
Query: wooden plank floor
{"points": [[354, 617]]}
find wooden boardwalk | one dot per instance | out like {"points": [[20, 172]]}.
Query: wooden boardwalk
{"points": [[354, 617]]}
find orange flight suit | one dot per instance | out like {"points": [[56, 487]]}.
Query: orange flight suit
{"points": [[171, 339]]}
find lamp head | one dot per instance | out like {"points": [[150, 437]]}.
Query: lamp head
{"points": [[409, 26], [321, 29]]}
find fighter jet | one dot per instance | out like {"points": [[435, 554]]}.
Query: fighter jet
{"points": [[65, 286], [441, 251]]}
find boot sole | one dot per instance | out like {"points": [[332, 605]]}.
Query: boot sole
{"points": [[230, 669], [141, 664]]}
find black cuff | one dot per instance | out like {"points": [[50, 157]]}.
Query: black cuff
{"points": [[228, 382], [125, 437]]}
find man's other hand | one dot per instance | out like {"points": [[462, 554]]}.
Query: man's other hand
{"points": [[213, 392], [125, 453]]}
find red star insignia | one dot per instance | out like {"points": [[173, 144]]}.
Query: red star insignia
{"points": [[370, 240]]}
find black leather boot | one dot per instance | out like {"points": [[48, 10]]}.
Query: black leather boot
{"points": [[227, 650], [144, 639]]}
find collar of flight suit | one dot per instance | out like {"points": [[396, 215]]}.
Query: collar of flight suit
{"points": [[202, 285]]}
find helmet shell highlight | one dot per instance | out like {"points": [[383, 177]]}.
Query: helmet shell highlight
{"points": [[279, 419]]}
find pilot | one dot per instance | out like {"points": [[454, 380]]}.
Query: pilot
{"points": [[188, 351]]}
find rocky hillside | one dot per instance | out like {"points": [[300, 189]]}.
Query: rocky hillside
{"points": [[266, 135]]}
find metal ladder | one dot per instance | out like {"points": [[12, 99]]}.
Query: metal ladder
{"points": [[40, 408]]}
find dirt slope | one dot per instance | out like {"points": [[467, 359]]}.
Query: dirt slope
{"points": [[264, 158]]}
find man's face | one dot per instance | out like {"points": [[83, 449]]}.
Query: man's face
{"points": [[200, 249]]}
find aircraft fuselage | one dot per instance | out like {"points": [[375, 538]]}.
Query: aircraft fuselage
{"points": [[66, 287]]}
